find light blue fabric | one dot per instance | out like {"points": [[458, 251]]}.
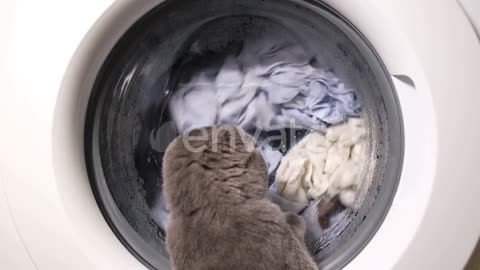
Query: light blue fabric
{"points": [[267, 86], [271, 84]]}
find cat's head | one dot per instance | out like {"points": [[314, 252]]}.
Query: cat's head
{"points": [[213, 166]]}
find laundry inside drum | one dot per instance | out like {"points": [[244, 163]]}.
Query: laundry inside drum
{"points": [[298, 78]]}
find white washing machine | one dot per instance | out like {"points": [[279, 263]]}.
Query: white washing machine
{"points": [[65, 66]]}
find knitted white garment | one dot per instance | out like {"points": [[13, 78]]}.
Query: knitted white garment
{"points": [[324, 166]]}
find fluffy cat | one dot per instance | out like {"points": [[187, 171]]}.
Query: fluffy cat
{"points": [[220, 219]]}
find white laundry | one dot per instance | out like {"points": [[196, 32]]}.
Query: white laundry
{"points": [[270, 84], [160, 213], [198, 96], [313, 230], [324, 166], [272, 157]]}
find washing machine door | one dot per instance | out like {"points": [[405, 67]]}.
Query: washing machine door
{"points": [[130, 119], [92, 118]]}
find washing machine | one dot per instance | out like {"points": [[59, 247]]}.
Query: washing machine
{"points": [[84, 85]]}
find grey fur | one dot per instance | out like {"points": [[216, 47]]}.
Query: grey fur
{"points": [[220, 218]]}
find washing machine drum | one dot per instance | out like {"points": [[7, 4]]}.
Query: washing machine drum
{"points": [[130, 119]]}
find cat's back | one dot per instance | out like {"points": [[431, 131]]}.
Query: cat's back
{"points": [[250, 236]]}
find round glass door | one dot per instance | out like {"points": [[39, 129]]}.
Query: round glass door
{"points": [[280, 69]]}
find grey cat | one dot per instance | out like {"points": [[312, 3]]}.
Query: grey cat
{"points": [[220, 219]]}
